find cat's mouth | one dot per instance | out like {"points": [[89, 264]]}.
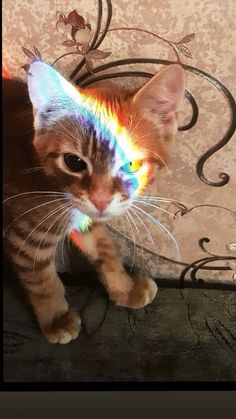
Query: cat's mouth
{"points": [[99, 217], [95, 216], [103, 215]]}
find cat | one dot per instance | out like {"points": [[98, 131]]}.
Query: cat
{"points": [[68, 151]]}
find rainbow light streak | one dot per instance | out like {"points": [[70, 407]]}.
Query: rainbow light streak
{"points": [[79, 226], [80, 221], [76, 238]]}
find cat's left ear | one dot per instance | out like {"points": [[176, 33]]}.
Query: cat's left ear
{"points": [[51, 94], [159, 99]]}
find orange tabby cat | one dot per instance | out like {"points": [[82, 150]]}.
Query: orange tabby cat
{"points": [[79, 152]]}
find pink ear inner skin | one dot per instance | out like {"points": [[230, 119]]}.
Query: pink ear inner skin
{"points": [[76, 238]]}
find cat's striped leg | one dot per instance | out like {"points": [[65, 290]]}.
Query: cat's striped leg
{"points": [[122, 289], [58, 323]]}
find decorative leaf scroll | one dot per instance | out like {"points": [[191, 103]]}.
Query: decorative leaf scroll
{"points": [[187, 38], [33, 55], [74, 19], [89, 64], [85, 49], [182, 47], [69, 43], [185, 51], [80, 34], [96, 54], [79, 37]]}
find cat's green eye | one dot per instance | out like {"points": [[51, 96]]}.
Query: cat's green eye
{"points": [[74, 163], [132, 166]]}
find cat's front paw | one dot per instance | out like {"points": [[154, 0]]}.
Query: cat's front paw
{"points": [[142, 293], [63, 329]]}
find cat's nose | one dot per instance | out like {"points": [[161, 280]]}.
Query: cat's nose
{"points": [[99, 202]]}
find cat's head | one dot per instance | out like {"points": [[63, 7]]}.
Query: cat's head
{"points": [[102, 145]]}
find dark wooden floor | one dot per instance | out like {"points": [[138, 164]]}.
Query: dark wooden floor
{"points": [[185, 335]]}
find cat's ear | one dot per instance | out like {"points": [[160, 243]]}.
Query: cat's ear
{"points": [[50, 93], [160, 98]]}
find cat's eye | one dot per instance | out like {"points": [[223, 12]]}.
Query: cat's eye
{"points": [[132, 166], [74, 163]]}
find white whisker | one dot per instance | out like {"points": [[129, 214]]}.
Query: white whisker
{"points": [[154, 206], [42, 221], [134, 241], [124, 224], [146, 135], [34, 192], [65, 231], [142, 222], [69, 135], [159, 157], [163, 200], [157, 224], [163, 228], [45, 235], [160, 198], [66, 134], [135, 127], [136, 228], [32, 209]]}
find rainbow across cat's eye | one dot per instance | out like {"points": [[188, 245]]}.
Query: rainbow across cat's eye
{"points": [[132, 166]]}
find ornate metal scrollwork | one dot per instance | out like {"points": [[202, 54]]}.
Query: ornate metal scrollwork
{"points": [[200, 264]]}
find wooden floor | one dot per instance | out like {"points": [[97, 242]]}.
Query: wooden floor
{"points": [[184, 335]]}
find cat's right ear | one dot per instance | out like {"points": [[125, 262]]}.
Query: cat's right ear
{"points": [[50, 93], [159, 99]]}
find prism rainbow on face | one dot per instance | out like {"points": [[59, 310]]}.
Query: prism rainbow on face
{"points": [[49, 90], [108, 128]]}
